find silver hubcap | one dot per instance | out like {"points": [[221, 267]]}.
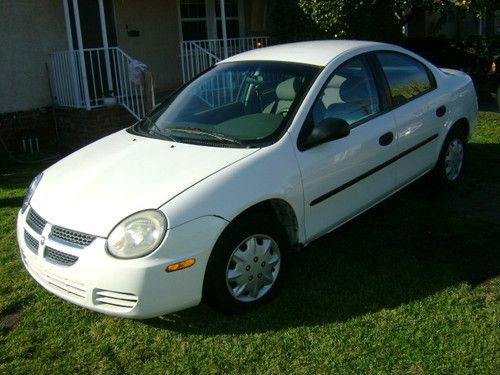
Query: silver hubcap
{"points": [[253, 268], [454, 159]]}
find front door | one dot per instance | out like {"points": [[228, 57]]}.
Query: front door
{"points": [[90, 23], [98, 62], [341, 178]]}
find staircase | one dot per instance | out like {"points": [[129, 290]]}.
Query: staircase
{"points": [[199, 55], [99, 77]]}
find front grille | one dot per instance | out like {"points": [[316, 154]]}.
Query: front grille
{"points": [[31, 242], [115, 300], [68, 287], [60, 258], [35, 221], [71, 237]]}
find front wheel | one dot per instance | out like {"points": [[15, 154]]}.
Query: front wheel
{"points": [[450, 166], [247, 265]]}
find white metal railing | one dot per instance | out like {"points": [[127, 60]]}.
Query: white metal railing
{"points": [[199, 55], [220, 89], [97, 77], [129, 89], [224, 87]]}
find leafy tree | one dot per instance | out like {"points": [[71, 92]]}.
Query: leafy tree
{"points": [[354, 19], [365, 19], [478, 7]]}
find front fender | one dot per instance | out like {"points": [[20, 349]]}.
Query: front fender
{"points": [[193, 239], [271, 173]]}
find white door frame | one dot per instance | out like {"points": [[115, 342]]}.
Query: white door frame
{"points": [[78, 30]]}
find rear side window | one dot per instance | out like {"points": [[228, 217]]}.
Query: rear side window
{"points": [[407, 77]]}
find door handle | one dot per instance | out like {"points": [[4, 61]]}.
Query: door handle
{"points": [[386, 139], [440, 112]]}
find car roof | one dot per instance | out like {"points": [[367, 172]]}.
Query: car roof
{"points": [[319, 52]]}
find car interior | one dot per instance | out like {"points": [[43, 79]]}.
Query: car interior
{"points": [[252, 106]]}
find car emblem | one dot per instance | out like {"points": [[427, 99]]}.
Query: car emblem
{"points": [[42, 241]]}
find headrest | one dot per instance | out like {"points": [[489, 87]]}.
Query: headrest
{"points": [[286, 90], [352, 90]]}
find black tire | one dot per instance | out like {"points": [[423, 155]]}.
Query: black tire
{"points": [[219, 290], [446, 177]]}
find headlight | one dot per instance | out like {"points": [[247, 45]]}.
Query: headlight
{"points": [[31, 191], [137, 235]]}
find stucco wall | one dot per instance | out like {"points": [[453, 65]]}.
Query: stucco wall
{"points": [[158, 42], [29, 31]]}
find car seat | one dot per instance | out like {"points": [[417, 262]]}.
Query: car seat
{"points": [[286, 92], [356, 101]]}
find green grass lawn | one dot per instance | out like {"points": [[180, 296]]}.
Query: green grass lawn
{"points": [[410, 287]]}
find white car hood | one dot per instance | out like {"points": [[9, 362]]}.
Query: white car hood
{"points": [[96, 187]]}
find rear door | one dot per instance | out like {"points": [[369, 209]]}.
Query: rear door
{"points": [[418, 110]]}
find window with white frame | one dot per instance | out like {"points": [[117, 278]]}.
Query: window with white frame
{"points": [[193, 19], [232, 19], [201, 19]]}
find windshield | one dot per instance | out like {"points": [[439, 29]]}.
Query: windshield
{"points": [[240, 104]]}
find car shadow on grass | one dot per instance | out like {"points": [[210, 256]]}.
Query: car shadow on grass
{"points": [[412, 246]]}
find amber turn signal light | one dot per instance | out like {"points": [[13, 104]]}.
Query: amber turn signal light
{"points": [[180, 265]]}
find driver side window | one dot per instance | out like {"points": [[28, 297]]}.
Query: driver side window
{"points": [[350, 94]]}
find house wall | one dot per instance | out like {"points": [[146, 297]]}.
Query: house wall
{"points": [[78, 127], [20, 129], [158, 42], [29, 31]]}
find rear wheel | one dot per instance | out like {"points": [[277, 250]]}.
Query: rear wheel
{"points": [[247, 264], [450, 166]]}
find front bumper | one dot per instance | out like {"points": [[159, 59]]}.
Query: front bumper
{"points": [[134, 288]]}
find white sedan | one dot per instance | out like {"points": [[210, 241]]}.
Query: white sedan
{"points": [[265, 152]]}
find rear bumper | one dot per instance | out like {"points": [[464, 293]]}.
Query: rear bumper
{"points": [[134, 288]]}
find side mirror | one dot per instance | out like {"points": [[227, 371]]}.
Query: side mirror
{"points": [[327, 130]]}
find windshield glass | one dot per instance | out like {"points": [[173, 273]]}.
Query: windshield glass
{"points": [[240, 104]]}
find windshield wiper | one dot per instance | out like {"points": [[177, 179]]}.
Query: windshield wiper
{"points": [[157, 131], [210, 133]]}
